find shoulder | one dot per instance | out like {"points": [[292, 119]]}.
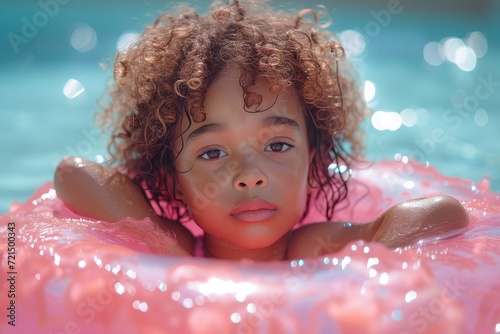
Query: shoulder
{"points": [[417, 219], [317, 239]]}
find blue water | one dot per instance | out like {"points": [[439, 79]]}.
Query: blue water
{"points": [[40, 124]]}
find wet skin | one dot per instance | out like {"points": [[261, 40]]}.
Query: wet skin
{"points": [[244, 179]]}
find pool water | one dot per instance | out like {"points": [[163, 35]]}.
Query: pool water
{"points": [[442, 115]]}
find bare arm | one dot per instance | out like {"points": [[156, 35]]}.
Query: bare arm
{"points": [[401, 225], [104, 193], [410, 221]]}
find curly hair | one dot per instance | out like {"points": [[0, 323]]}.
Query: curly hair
{"points": [[165, 74]]}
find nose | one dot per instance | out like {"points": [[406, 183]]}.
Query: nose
{"points": [[249, 179]]}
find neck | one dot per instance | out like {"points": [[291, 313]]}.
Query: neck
{"points": [[220, 249]]}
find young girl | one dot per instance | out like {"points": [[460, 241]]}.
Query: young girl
{"points": [[234, 119]]}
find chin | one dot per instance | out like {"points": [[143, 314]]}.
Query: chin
{"points": [[257, 240]]}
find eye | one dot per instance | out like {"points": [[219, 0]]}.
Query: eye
{"points": [[278, 147], [213, 154]]}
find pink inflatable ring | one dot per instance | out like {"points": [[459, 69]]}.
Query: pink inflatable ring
{"points": [[66, 274]]}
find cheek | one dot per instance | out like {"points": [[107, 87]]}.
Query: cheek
{"points": [[192, 197], [302, 182], [199, 191], [300, 172], [294, 181], [186, 177]]}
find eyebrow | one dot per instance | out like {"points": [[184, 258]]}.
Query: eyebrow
{"points": [[211, 127], [270, 121]]}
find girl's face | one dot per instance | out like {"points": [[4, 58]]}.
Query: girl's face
{"points": [[244, 175]]}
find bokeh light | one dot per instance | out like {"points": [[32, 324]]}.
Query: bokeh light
{"points": [[83, 38], [386, 120], [465, 58], [423, 117], [450, 46], [478, 43], [481, 117], [369, 91], [433, 54], [126, 40], [409, 117], [99, 159], [353, 42], [463, 53], [73, 88]]}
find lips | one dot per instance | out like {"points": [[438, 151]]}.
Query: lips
{"points": [[252, 210]]}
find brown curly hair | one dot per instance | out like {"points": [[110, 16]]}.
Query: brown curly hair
{"points": [[166, 73]]}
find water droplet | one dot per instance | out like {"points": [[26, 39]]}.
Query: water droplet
{"points": [[251, 308], [98, 262], [141, 306], [397, 315], [57, 259], [199, 300], [346, 261], [410, 295], [119, 288], [176, 295], [187, 303], [131, 274], [116, 269], [162, 286], [384, 278], [82, 264], [235, 317]]}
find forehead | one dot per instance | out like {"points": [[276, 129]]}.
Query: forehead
{"points": [[226, 98], [225, 111]]}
